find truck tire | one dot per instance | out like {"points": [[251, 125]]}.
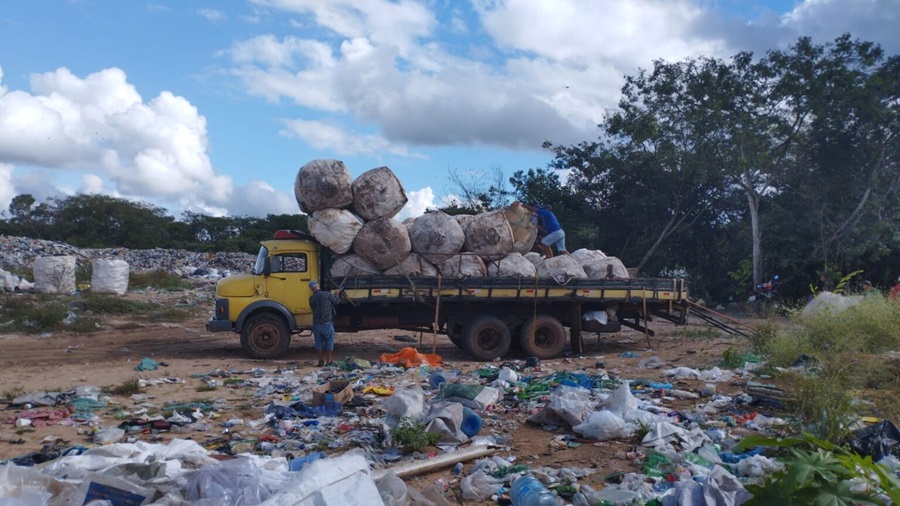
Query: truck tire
{"points": [[486, 337], [266, 336], [549, 337]]}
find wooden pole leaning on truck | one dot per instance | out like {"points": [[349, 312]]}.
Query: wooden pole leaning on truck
{"points": [[437, 310]]}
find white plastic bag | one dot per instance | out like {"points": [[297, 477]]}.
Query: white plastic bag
{"points": [[603, 425], [109, 276], [407, 401]]}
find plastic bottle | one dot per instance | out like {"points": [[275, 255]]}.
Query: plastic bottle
{"points": [[529, 491], [436, 378], [471, 423]]}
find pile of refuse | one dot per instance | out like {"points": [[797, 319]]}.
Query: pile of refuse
{"points": [[355, 220], [355, 433], [23, 253]]}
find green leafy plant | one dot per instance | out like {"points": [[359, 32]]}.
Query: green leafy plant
{"points": [[411, 436], [819, 472], [128, 387]]}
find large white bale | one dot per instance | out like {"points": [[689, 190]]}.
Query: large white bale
{"points": [[436, 236], [413, 265], [109, 276], [377, 193], [585, 255], [513, 265], [321, 184], [335, 228], [489, 235], [352, 265], [54, 274], [463, 265], [384, 242], [830, 302], [560, 267], [524, 228], [599, 268], [462, 219]]}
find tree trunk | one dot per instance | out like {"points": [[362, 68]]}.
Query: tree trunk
{"points": [[756, 233]]}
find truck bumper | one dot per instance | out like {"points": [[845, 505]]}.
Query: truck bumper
{"points": [[214, 325]]}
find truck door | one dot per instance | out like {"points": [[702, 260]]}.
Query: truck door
{"points": [[288, 283]]}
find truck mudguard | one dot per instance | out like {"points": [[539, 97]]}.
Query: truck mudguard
{"points": [[265, 304]]}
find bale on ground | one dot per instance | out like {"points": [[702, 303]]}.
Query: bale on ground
{"points": [[602, 267], [384, 242], [377, 193], [513, 265], [54, 274], [436, 236], [352, 265], [321, 184], [524, 228], [560, 268], [413, 265], [335, 228], [109, 276], [463, 265], [489, 235]]}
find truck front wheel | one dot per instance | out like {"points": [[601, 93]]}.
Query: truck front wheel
{"points": [[486, 337], [265, 336], [543, 337]]}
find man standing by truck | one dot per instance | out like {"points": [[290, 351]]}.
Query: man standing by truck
{"points": [[322, 304]]}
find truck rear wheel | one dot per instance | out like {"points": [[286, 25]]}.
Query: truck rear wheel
{"points": [[265, 336], [486, 337], [549, 337]]}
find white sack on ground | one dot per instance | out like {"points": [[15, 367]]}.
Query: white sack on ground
{"points": [[345, 480], [109, 276], [321, 184], [560, 268], [384, 242], [489, 235], [604, 425], [524, 228], [352, 265], [833, 302], [513, 265], [598, 268], [436, 236], [335, 228], [413, 265], [377, 193], [463, 265], [54, 274]]}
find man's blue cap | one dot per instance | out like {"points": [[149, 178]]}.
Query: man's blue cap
{"points": [[313, 283]]}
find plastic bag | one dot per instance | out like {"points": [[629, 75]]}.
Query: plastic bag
{"points": [[407, 401], [621, 401], [479, 486], [410, 357], [474, 396], [393, 490], [109, 276], [879, 440], [603, 426]]}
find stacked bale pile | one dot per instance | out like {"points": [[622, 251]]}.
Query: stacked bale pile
{"points": [[355, 220]]}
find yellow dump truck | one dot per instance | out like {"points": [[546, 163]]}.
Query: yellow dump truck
{"points": [[486, 316]]}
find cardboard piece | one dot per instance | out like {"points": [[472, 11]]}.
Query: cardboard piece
{"points": [[338, 391]]}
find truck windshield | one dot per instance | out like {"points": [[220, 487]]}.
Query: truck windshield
{"points": [[260, 261]]}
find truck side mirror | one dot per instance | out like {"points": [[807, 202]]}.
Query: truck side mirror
{"points": [[267, 267]]}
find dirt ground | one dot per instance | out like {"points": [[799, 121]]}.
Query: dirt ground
{"points": [[61, 361]]}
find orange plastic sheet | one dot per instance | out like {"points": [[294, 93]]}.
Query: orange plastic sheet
{"points": [[410, 357]]}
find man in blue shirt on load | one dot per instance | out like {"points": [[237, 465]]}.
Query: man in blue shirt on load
{"points": [[549, 226], [322, 304]]}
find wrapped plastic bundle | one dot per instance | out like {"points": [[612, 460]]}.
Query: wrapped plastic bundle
{"points": [[321, 184], [599, 268], [413, 265], [335, 228], [524, 228], [489, 235], [585, 255], [353, 265], [560, 267], [462, 219], [383, 242], [54, 274], [109, 276], [513, 265], [436, 236], [378, 194], [463, 265]]}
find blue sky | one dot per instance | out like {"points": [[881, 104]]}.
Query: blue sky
{"points": [[212, 106]]}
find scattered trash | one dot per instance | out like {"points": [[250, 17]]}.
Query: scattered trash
{"points": [[878, 441], [147, 364], [409, 357]]}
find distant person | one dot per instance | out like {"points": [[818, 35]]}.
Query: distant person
{"points": [[549, 227], [895, 291], [322, 304], [869, 290]]}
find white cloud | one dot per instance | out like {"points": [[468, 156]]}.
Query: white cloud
{"points": [[157, 149], [825, 20], [91, 184], [7, 188], [258, 198], [212, 15], [419, 202], [324, 135]]}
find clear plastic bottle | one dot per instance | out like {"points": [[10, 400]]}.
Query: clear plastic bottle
{"points": [[529, 491]]}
